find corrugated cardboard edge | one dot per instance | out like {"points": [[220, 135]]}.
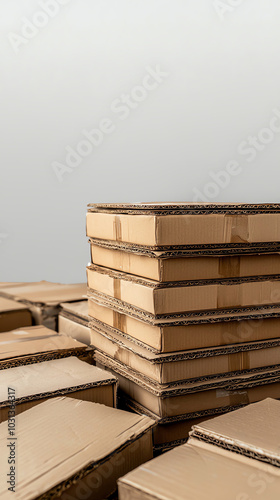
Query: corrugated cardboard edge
{"points": [[63, 392], [177, 319], [179, 284], [235, 448], [184, 208], [233, 381], [179, 251], [74, 317], [185, 355], [79, 352]]}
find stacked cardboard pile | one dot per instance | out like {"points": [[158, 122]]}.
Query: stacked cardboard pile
{"points": [[67, 448], [185, 307], [43, 299], [13, 315], [234, 456]]}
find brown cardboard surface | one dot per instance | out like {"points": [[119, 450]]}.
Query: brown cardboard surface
{"points": [[193, 399], [13, 315], [185, 268], [31, 384], [184, 225], [188, 472], [35, 344], [171, 298], [104, 435], [191, 333], [185, 365], [251, 431], [73, 321]]}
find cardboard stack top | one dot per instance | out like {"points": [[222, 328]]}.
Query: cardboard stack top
{"points": [[36, 344], [98, 438], [212, 471], [13, 315], [73, 320], [31, 384], [162, 225], [44, 298]]}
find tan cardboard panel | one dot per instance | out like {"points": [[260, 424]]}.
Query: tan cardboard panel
{"points": [[76, 309], [184, 229], [189, 472], [161, 299], [185, 268], [47, 427], [252, 431]]}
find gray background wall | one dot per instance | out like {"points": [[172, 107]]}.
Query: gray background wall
{"points": [[206, 126]]}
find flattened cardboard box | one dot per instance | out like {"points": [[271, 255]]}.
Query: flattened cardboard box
{"points": [[107, 445], [174, 267], [188, 472], [193, 399], [36, 344], [44, 299], [252, 431], [13, 315], [73, 321], [160, 299], [30, 385], [187, 365], [184, 224], [191, 332]]}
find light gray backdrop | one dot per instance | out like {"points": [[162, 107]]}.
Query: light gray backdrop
{"points": [[129, 100]]}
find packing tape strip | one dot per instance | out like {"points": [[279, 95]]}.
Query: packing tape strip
{"points": [[229, 267], [118, 228], [119, 321], [236, 228], [235, 397], [239, 361], [117, 287]]}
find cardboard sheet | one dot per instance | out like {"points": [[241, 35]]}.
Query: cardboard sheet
{"points": [[95, 434], [13, 315], [73, 321], [188, 472]]}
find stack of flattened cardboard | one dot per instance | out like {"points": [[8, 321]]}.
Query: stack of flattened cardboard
{"points": [[234, 456], [43, 299], [73, 320], [67, 448], [26, 346], [32, 384], [185, 307]]}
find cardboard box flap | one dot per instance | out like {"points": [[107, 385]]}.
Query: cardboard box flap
{"points": [[185, 207], [200, 474], [45, 292], [252, 431], [60, 446], [7, 305], [49, 377]]}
